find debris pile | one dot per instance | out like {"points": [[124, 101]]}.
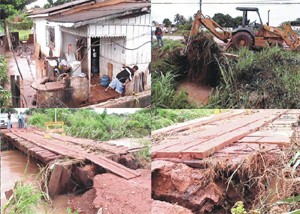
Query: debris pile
{"points": [[214, 185], [203, 54]]}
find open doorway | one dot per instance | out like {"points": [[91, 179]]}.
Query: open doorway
{"points": [[95, 51]]}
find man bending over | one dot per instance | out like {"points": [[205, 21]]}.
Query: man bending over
{"points": [[122, 78]]}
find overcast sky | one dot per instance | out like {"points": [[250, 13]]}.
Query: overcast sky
{"points": [[280, 10]]}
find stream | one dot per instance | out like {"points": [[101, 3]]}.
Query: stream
{"points": [[16, 166]]}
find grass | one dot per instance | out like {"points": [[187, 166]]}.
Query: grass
{"points": [[166, 117], [89, 124], [269, 78], [25, 199], [168, 66], [266, 79], [23, 34], [164, 94], [144, 155]]}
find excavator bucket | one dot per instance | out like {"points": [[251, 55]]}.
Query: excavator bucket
{"points": [[291, 36]]}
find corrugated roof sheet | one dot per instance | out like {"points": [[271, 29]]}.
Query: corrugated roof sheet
{"points": [[101, 12], [61, 7]]}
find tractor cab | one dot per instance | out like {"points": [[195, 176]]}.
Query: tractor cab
{"points": [[251, 26]]}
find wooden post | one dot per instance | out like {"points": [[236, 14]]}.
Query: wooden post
{"points": [[15, 91], [12, 88], [110, 70], [18, 92], [89, 63]]}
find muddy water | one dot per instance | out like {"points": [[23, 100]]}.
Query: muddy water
{"points": [[15, 166], [196, 93]]}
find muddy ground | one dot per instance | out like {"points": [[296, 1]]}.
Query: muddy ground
{"points": [[113, 195]]}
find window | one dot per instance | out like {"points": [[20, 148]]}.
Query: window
{"points": [[50, 36]]}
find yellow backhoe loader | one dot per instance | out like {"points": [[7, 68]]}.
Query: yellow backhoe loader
{"points": [[248, 34]]}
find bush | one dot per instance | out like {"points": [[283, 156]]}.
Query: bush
{"points": [[89, 124], [266, 79], [166, 117]]}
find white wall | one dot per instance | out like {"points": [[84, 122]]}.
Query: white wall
{"points": [[112, 53], [40, 31], [136, 30], [66, 40]]}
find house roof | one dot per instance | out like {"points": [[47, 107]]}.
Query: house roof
{"points": [[61, 7], [94, 14]]}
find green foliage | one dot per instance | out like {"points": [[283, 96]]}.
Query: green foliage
{"points": [[52, 3], [11, 110], [167, 22], [164, 94], [4, 97], [10, 7], [288, 200], [227, 21], [89, 124], [3, 71], [238, 208], [295, 161], [19, 21], [70, 211], [144, 155], [25, 199], [266, 79], [168, 63], [4, 94], [166, 117]]}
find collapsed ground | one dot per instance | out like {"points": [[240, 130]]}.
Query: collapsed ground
{"points": [[260, 169], [96, 172], [256, 79]]}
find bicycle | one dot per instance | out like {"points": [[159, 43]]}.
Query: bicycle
{"points": [[23, 48]]}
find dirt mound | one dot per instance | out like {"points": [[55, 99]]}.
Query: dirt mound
{"points": [[117, 195], [167, 208]]}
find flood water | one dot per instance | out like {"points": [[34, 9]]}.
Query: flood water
{"points": [[15, 167]]}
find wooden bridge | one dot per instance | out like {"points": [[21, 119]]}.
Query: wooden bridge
{"points": [[231, 133]]}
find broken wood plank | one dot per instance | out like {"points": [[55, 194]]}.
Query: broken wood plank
{"points": [[53, 187], [65, 150], [113, 167]]}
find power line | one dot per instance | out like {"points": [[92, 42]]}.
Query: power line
{"points": [[229, 3]]}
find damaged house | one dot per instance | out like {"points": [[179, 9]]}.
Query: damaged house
{"points": [[96, 39]]}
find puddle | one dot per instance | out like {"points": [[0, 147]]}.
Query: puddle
{"points": [[128, 142], [15, 167], [196, 93]]}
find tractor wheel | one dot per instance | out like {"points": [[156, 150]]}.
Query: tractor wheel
{"points": [[242, 39]]}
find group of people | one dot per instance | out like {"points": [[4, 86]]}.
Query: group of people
{"points": [[21, 121]]}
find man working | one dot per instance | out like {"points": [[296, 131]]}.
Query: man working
{"points": [[122, 78]]}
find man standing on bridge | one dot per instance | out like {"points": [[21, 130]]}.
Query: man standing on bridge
{"points": [[9, 121], [21, 120]]}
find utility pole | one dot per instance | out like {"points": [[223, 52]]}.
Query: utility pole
{"points": [[200, 5]]}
